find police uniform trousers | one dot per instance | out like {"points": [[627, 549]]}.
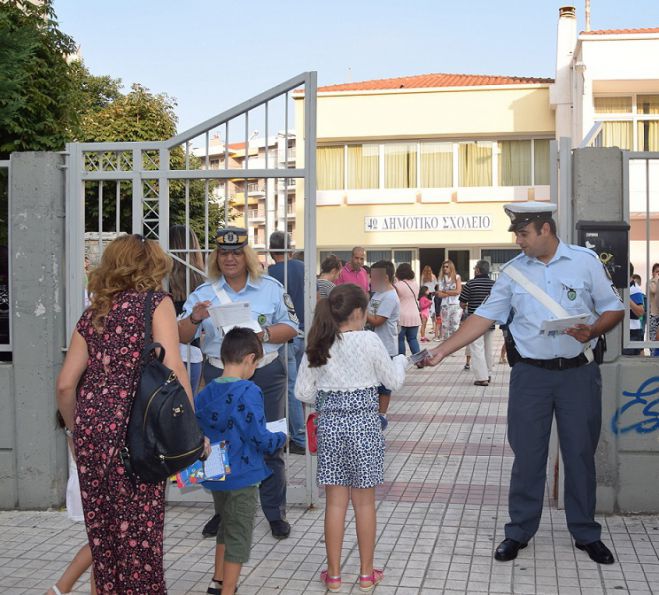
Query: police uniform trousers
{"points": [[574, 396], [271, 379]]}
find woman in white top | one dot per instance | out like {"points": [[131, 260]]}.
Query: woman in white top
{"points": [[428, 279], [340, 373], [450, 286]]}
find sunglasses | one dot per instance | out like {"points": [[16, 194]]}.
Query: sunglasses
{"points": [[234, 251]]}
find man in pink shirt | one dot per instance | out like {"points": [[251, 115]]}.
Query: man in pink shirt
{"points": [[354, 271]]}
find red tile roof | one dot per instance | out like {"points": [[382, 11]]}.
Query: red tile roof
{"points": [[435, 80], [621, 31]]}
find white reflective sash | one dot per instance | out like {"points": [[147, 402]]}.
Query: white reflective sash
{"points": [[548, 302]]}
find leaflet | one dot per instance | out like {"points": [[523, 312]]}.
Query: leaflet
{"points": [[227, 316]]}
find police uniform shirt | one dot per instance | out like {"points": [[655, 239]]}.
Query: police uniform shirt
{"points": [[270, 305], [575, 278]]}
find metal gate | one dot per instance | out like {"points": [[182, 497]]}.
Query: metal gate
{"points": [[206, 176]]}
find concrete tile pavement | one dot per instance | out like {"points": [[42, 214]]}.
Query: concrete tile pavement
{"points": [[440, 513]]}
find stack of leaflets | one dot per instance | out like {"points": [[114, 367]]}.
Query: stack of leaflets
{"points": [[215, 468]]}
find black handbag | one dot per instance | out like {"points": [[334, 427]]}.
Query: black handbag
{"points": [[163, 435]]}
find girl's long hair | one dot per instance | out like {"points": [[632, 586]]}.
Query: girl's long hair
{"points": [[330, 313], [427, 274], [129, 263], [177, 280]]}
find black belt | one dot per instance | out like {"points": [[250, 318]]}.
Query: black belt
{"points": [[559, 363]]}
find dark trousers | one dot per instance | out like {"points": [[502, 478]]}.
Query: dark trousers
{"points": [[271, 379], [574, 396]]}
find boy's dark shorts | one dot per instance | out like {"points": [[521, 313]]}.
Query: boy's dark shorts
{"points": [[237, 509], [383, 390]]}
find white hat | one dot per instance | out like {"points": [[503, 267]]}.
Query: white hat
{"points": [[523, 213]]}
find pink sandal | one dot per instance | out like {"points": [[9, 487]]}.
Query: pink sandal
{"points": [[375, 578], [332, 583]]}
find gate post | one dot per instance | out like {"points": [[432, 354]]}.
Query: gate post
{"points": [[37, 219]]}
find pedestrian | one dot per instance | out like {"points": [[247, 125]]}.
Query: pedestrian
{"points": [[124, 516], [410, 319], [437, 316], [236, 276], [653, 326], [329, 273], [344, 388], [428, 278], [474, 293], [354, 271], [383, 317], [636, 313], [555, 375], [230, 411], [450, 286], [290, 273], [425, 303]]}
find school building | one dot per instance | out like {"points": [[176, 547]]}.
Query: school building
{"points": [[417, 168]]}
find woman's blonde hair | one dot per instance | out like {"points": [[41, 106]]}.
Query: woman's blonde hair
{"points": [[427, 274], [129, 263], [254, 267], [452, 273]]}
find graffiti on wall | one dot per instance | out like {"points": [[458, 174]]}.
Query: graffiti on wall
{"points": [[640, 411]]}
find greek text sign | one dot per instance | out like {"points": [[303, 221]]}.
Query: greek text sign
{"points": [[428, 223]]}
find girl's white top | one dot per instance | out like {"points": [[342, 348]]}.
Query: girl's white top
{"points": [[358, 359]]}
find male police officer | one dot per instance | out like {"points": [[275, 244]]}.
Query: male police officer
{"points": [[554, 374]]}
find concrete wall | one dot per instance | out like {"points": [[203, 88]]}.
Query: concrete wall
{"points": [[628, 454], [32, 451]]}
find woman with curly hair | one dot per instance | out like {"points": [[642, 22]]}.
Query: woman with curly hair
{"points": [[95, 389]]}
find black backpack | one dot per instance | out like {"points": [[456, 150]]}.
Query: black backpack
{"points": [[163, 436]]}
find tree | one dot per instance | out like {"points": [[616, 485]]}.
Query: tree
{"points": [[143, 116], [36, 112]]}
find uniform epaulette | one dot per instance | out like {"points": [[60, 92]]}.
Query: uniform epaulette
{"points": [[518, 257], [578, 248]]}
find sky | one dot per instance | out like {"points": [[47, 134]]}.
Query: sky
{"points": [[212, 54]]}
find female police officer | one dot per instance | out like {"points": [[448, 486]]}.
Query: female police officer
{"points": [[553, 374], [235, 275]]}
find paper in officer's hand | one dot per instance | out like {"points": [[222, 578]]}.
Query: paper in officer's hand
{"points": [[560, 325], [228, 316], [417, 358]]}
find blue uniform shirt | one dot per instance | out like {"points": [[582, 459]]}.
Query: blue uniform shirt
{"points": [[270, 305], [574, 277]]}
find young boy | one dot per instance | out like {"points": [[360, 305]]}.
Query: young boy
{"points": [[383, 315], [231, 409]]}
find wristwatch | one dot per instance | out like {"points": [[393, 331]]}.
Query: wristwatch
{"points": [[265, 337], [193, 321]]}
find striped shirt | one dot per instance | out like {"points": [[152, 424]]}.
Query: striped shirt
{"points": [[475, 292], [323, 287]]}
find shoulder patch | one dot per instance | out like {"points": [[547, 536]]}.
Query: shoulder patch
{"points": [[288, 302]]}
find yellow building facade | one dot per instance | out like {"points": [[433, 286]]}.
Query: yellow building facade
{"points": [[416, 169]]}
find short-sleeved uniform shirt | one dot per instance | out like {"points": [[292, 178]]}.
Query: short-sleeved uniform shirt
{"points": [[387, 305], [574, 277], [270, 305]]}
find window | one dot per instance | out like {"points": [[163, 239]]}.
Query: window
{"points": [[475, 163], [648, 135], [330, 168], [343, 255], [647, 104], [613, 105], [363, 166], [401, 256], [617, 134], [498, 257], [436, 165], [373, 256], [515, 163], [541, 162], [400, 165]]}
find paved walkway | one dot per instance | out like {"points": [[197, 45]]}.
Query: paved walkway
{"points": [[440, 515]]}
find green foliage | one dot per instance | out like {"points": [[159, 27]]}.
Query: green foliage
{"points": [[36, 111]]}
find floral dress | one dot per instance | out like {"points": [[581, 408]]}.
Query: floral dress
{"points": [[124, 520]]}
